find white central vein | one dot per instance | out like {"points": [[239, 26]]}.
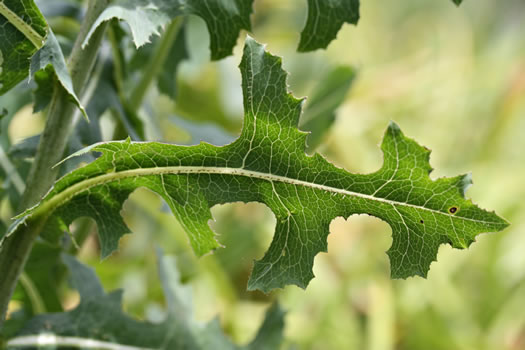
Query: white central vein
{"points": [[58, 341], [82, 186], [26, 29]]}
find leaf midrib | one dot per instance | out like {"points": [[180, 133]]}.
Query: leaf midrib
{"points": [[36, 39], [46, 208]]}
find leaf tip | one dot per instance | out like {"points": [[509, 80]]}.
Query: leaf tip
{"points": [[250, 42], [84, 113], [393, 127]]}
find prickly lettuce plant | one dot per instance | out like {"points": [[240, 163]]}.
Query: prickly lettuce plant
{"points": [[273, 161]]}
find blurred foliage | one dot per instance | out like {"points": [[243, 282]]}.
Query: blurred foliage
{"points": [[454, 77]]}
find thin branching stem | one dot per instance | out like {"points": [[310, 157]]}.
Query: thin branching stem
{"points": [[155, 65]]}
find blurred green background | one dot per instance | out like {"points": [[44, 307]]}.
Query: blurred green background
{"points": [[454, 80]]}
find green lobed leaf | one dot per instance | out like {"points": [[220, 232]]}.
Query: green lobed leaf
{"points": [[268, 164], [224, 19], [99, 316], [22, 33], [46, 61]]}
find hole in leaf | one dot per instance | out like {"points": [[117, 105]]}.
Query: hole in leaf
{"points": [[246, 230], [359, 239]]}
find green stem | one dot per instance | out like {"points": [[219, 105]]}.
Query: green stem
{"points": [[120, 132], [117, 60], [11, 172], [151, 71], [155, 65], [82, 232], [32, 294], [16, 248]]}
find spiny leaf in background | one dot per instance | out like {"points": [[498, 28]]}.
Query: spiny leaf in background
{"points": [[99, 316], [23, 31], [319, 113], [325, 19], [47, 63], [225, 19], [268, 164], [166, 79]]}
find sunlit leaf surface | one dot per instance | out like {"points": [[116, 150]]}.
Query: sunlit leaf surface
{"points": [[268, 164]]}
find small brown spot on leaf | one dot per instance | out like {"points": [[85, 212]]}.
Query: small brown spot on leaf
{"points": [[453, 210], [421, 221]]}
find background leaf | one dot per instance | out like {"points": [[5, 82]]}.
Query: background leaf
{"points": [[99, 316], [50, 59], [319, 113], [324, 20], [225, 19]]}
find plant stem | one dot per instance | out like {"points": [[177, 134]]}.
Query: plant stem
{"points": [[16, 248], [149, 74], [155, 65], [32, 294], [84, 227], [11, 172], [118, 58]]}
